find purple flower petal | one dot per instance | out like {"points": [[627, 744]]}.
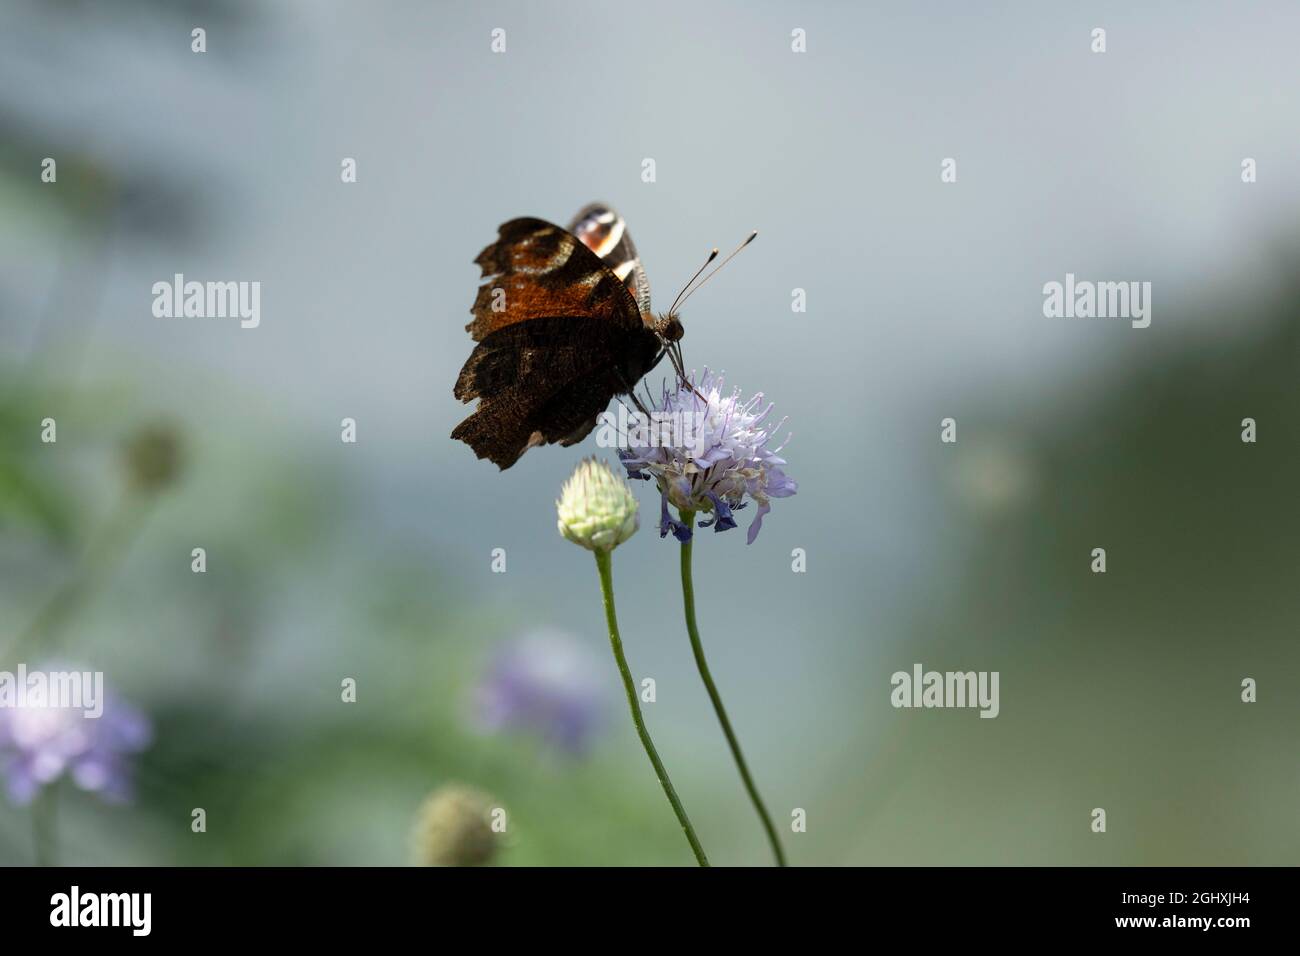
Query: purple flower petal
{"points": [[721, 512], [756, 525], [668, 523]]}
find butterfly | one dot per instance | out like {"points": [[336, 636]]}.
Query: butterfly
{"points": [[563, 324]]}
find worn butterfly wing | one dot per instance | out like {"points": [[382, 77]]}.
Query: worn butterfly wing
{"points": [[536, 269], [559, 334]]}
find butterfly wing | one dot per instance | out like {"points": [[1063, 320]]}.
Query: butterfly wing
{"points": [[534, 270], [538, 382], [602, 230], [559, 334]]}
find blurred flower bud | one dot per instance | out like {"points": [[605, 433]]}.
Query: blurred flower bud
{"points": [[596, 509], [454, 828], [153, 458]]}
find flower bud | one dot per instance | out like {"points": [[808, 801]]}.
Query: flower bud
{"points": [[454, 828], [596, 509], [153, 458]]}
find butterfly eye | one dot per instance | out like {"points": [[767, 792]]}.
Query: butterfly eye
{"points": [[670, 328]]}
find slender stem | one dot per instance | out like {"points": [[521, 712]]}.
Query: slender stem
{"points": [[106, 548], [634, 704], [43, 826], [697, 646]]}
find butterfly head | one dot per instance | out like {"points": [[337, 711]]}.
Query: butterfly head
{"points": [[669, 328]]}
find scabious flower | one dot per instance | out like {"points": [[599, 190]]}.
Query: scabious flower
{"points": [[454, 828], [596, 509], [546, 683], [40, 744], [720, 466]]}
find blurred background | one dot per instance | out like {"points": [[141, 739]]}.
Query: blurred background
{"points": [[373, 561]]}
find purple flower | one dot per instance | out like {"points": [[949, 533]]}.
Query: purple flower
{"points": [[40, 744], [546, 683], [709, 454]]}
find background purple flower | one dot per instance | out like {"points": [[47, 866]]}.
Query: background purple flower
{"points": [[38, 745], [546, 683]]}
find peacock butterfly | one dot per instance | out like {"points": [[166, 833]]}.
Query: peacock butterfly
{"points": [[562, 324]]}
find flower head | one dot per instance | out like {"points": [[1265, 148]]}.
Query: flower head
{"points": [[40, 744], [715, 459], [454, 828], [545, 682], [596, 508], [153, 457]]}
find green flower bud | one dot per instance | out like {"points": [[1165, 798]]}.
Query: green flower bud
{"points": [[454, 828], [596, 509]]}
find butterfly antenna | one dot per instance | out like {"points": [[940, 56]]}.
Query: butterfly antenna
{"points": [[672, 309], [752, 236]]}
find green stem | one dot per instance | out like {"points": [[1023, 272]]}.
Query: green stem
{"points": [[634, 704], [697, 646], [43, 826], [107, 547]]}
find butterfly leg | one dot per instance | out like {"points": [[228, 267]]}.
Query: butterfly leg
{"points": [[631, 391]]}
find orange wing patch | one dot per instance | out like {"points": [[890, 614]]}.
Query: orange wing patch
{"points": [[535, 270]]}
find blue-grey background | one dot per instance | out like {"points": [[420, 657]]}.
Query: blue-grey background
{"points": [[924, 301]]}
